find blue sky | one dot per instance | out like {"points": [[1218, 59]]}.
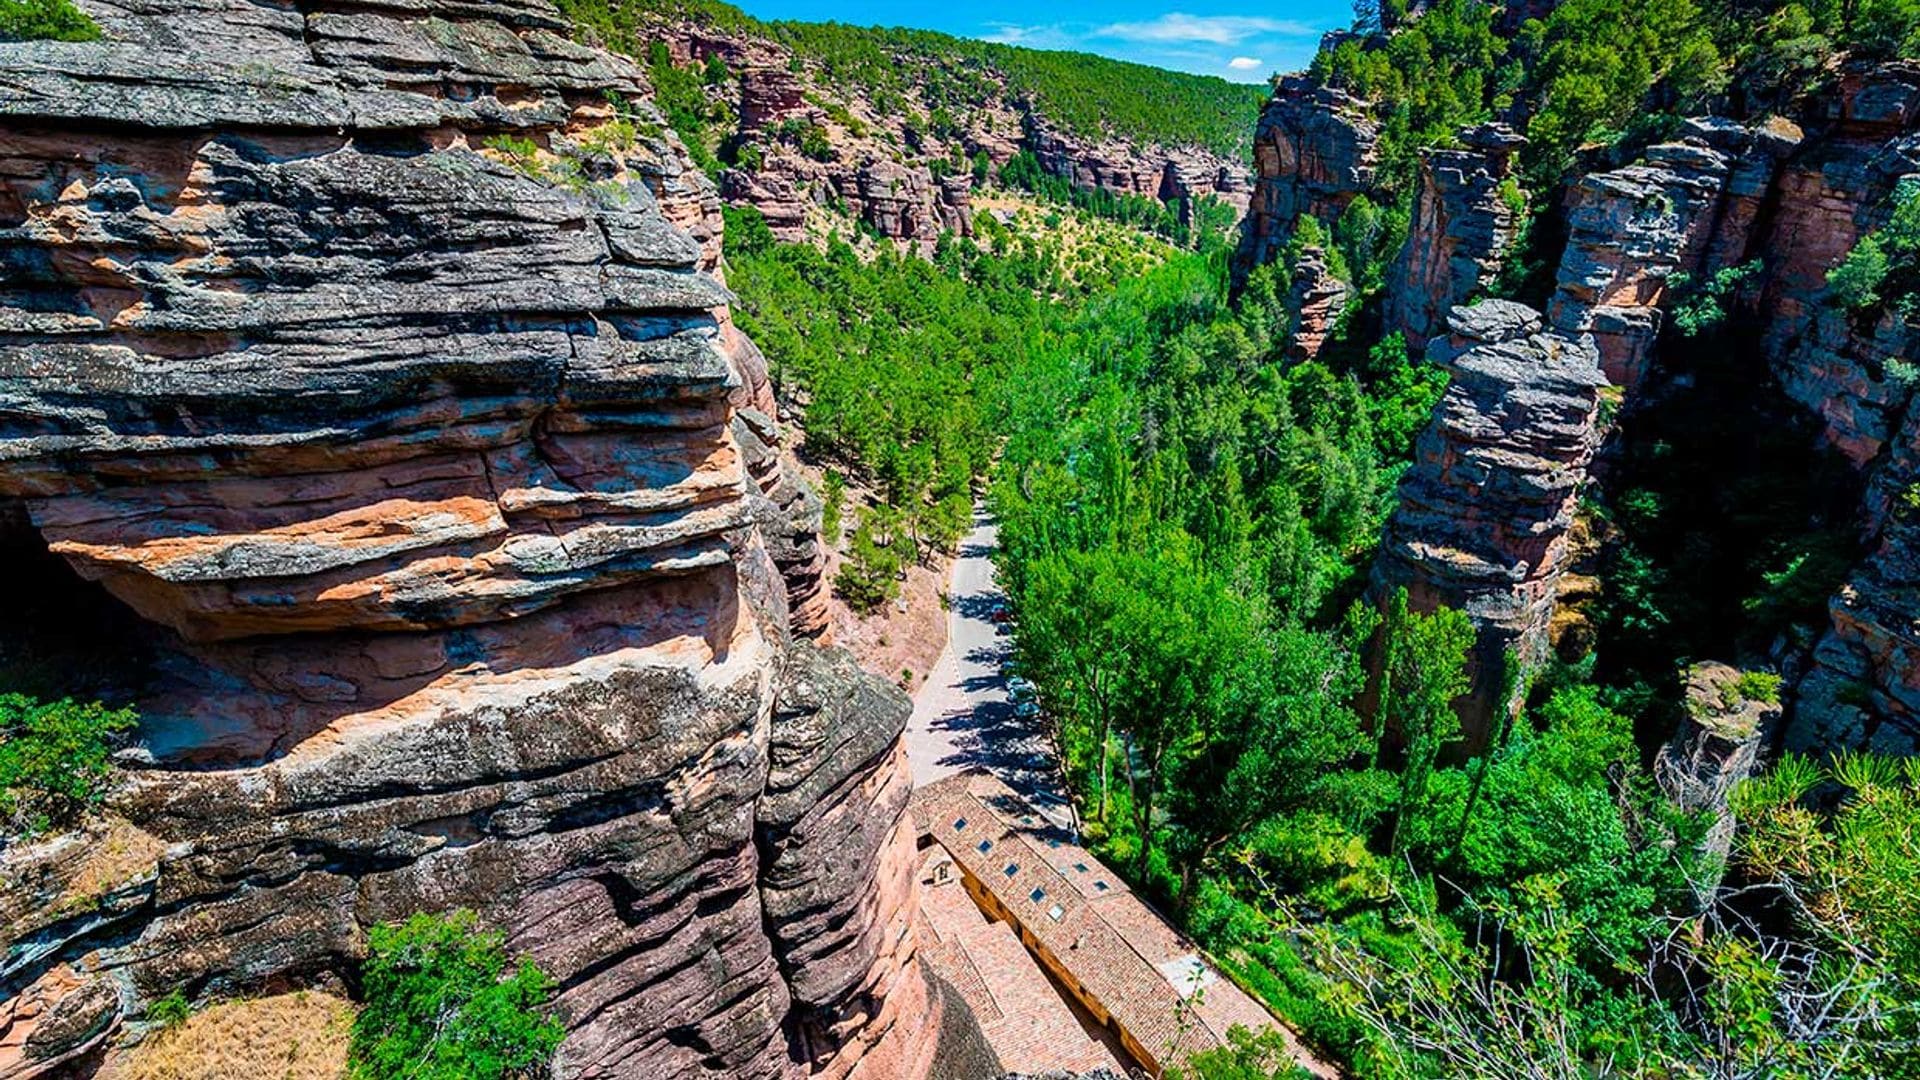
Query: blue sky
{"points": [[1242, 43]]}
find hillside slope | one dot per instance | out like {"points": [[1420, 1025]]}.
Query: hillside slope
{"points": [[892, 128]]}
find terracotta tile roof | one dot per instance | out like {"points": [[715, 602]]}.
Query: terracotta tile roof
{"points": [[1120, 952], [1024, 1016]]}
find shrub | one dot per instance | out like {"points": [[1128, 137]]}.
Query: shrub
{"points": [[45, 20], [445, 1002], [55, 758], [171, 1011]]}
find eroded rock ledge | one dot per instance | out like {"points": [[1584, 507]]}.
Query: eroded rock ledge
{"points": [[446, 492]]}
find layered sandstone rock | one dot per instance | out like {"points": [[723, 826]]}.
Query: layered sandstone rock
{"points": [[1688, 207], [1314, 152], [1862, 687], [1827, 198], [839, 860], [1484, 515], [449, 498], [1465, 218], [1314, 304]]}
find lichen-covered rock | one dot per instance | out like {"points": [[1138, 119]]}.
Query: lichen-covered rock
{"points": [[1484, 515], [447, 491], [1729, 719], [1464, 220], [1314, 151]]}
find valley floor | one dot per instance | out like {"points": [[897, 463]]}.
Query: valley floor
{"points": [[963, 717]]}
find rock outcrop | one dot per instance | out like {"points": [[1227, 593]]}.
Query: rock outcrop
{"points": [[1717, 746], [1314, 304], [1465, 218], [1862, 687], [1827, 198], [1314, 152], [445, 491], [1484, 515], [1688, 207]]}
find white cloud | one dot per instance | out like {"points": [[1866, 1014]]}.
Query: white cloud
{"points": [[1178, 26], [1033, 37], [1244, 63]]}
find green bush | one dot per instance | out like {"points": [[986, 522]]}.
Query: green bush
{"points": [[55, 758], [171, 1011], [443, 1001], [45, 20]]}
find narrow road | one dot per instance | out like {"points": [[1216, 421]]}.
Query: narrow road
{"points": [[962, 717]]}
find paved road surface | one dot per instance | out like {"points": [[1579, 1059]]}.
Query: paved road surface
{"points": [[962, 717]]}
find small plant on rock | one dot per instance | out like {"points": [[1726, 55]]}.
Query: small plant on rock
{"points": [[45, 20]]}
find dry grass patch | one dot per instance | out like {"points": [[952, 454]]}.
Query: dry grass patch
{"points": [[298, 1036]]}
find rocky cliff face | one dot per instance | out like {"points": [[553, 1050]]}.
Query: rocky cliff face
{"points": [[446, 492], [1483, 519], [1313, 152], [1790, 196], [1862, 687], [1688, 207], [885, 162], [1465, 217]]}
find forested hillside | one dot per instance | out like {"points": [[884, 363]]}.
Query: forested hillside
{"points": [[1086, 94]]}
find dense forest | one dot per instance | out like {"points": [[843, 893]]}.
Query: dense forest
{"points": [[1187, 516]]}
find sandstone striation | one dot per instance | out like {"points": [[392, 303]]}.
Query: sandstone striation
{"points": [[1314, 152], [441, 483], [1465, 218], [1688, 207], [1484, 515]]}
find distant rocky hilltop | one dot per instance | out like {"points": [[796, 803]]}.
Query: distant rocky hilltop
{"points": [[374, 359], [799, 128]]}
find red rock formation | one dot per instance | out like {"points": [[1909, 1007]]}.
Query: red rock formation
{"points": [[1827, 198], [1314, 304], [882, 163], [1484, 515], [449, 496], [1313, 153], [1463, 224], [1688, 207]]}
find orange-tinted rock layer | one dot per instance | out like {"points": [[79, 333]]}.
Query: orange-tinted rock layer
{"points": [[450, 498]]}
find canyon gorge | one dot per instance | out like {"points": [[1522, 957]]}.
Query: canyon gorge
{"points": [[377, 420]]}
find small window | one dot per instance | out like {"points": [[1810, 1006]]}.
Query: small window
{"points": [[1056, 912], [1100, 885], [985, 846], [1012, 869], [959, 823], [1080, 866], [1037, 895], [1055, 842]]}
